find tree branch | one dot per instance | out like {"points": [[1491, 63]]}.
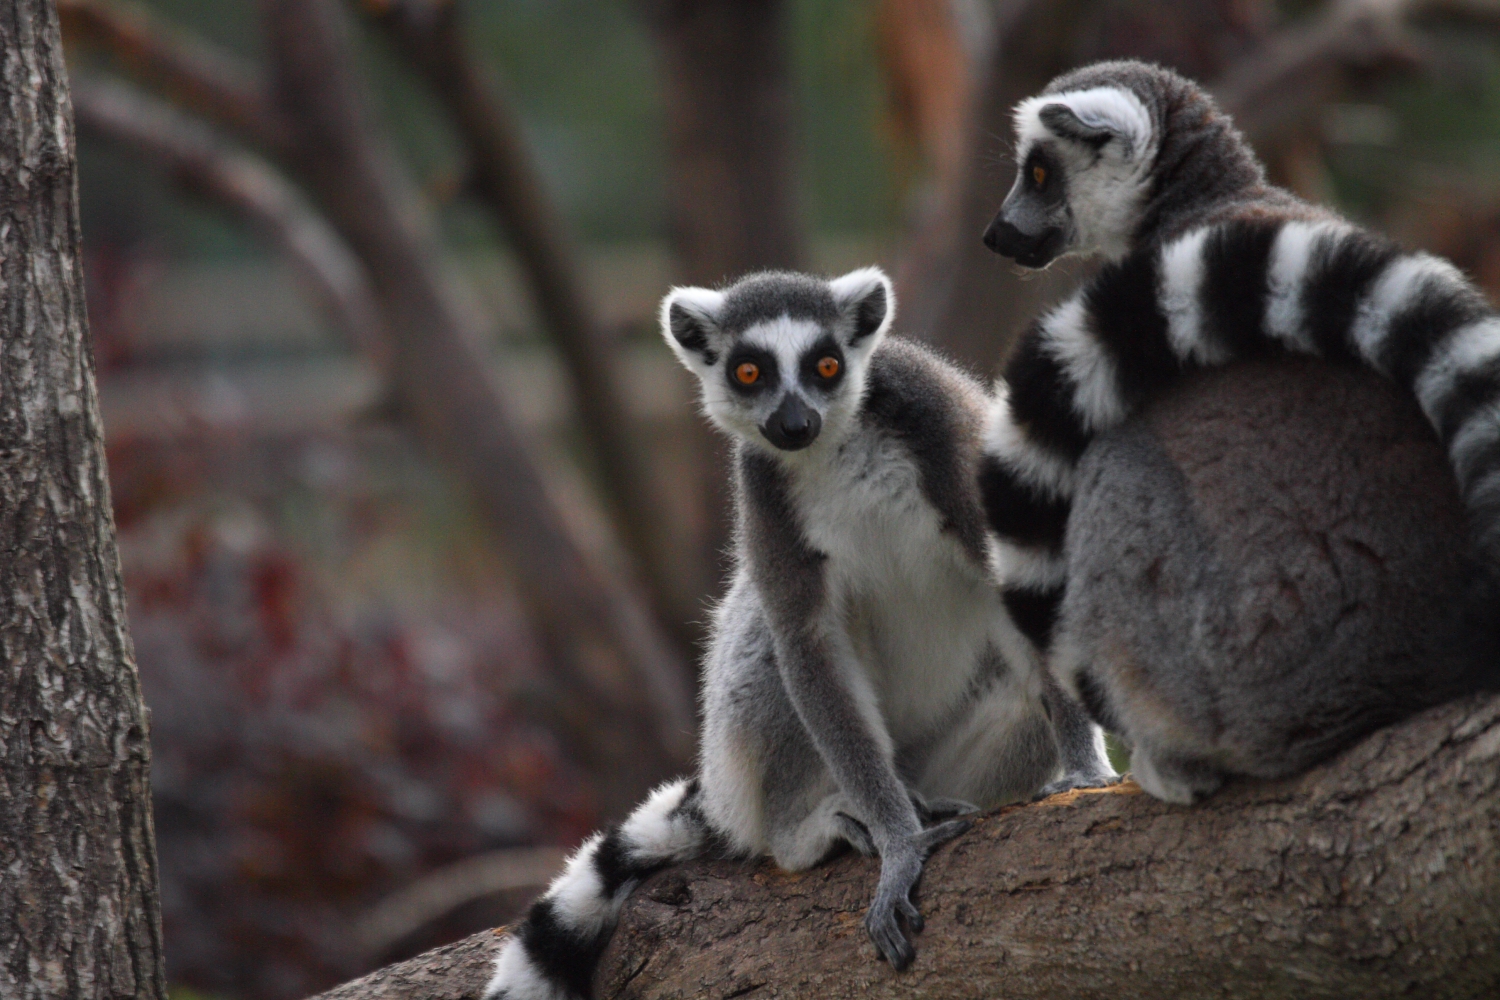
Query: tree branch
{"points": [[430, 33], [1375, 875], [203, 164], [201, 77]]}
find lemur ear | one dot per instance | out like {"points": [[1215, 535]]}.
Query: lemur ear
{"points": [[1064, 122], [867, 300], [1094, 117], [689, 321]]}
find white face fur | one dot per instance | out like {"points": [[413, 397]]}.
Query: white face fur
{"points": [[1085, 159], [781, 359]]}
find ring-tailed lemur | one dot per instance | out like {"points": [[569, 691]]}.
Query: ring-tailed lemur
{"points": [[863, 678], [1205, 263]]}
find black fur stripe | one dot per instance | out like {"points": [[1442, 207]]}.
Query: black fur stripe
{"points": [[1035, 613], [1041, 397], [1017, 511], [1469, 393], [1124, 305], [614, 864], [562, 954], [1430, 317], [1236, 265], [1340, 270]]}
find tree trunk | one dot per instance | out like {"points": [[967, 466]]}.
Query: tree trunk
{"points": [[79, 915], [1374, 875]]}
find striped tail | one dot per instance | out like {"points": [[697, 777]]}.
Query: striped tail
{"points": [[1251, 288], [552, 954]]}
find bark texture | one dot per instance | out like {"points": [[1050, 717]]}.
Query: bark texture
{"points": [[1376, 874], [78, 908]]}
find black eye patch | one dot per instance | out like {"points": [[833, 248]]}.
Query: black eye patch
{"points": [[814, 372], [1042, 175], [750, 370]]}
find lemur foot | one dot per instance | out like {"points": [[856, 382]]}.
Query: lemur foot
{"points": [[932, 810], [1077, 779], [900, 867]]}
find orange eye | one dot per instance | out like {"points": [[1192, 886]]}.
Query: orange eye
{"points": [[747, 372], [828, 367], [1039, 174]]}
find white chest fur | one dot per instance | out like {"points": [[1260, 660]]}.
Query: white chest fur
{"points": [[918, 614]]}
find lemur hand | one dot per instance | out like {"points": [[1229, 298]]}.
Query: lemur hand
{"points": [[1077, 779], [900, 867]]}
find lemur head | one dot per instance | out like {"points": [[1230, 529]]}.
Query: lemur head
{"points": [[781, 357], [1097, 152]]}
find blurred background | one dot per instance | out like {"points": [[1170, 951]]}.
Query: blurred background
{"points": [[418, 520]]}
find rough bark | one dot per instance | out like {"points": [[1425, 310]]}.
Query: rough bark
{"points": [[1374, 875], [637, 714], [79, 915], [509, 183]]}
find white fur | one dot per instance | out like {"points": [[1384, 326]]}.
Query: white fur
{"points": [[1181, 286], [1033, 465], [702, 303], [578, 893], [653, 833], [519, 978], [1107, 188], [1025, 568], [1399, 284], [1143, 769], [1466, 350], [1071, 341], [1290, 255]]}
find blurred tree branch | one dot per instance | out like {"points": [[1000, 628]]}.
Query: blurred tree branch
{"points": [[199, 76], [254, 191], [1376, 874], [431, 35]]}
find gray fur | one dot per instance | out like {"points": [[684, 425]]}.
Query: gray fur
{"points": [[864, 683]]}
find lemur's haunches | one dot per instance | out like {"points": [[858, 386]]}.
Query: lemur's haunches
{"points": [[1208, 264], [864, 683]]}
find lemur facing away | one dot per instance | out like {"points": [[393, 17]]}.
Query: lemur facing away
{"points": [[1205, 263], [863, 683]]}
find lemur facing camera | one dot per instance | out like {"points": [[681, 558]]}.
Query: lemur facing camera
{"points": [[863, 683], [1206, 263]]}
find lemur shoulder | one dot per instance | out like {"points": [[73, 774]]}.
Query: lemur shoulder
{"points": [[1206, 263], [863, 684]]}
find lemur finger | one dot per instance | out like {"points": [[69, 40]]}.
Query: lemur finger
{"points": [[912, 914], [932, 810], [856, 833], [880, 923], [931, 838]]}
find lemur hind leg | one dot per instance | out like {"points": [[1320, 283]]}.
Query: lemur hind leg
{"points": [[1080, 745]]}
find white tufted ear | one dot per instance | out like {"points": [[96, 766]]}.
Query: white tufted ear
{"points": [[1094, 117], [867, 301], [689, 323]]}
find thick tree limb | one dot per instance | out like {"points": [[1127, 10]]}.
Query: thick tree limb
{"points": [[1374, 875], [431, 35], [636, 717], [203, 164], [197, 75]]}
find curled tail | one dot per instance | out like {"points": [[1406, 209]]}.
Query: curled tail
{"points": [[552, 954], [1249, 288]]}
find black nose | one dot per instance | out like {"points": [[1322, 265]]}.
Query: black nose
{"points": [[1027, 249], [793, 426]]}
